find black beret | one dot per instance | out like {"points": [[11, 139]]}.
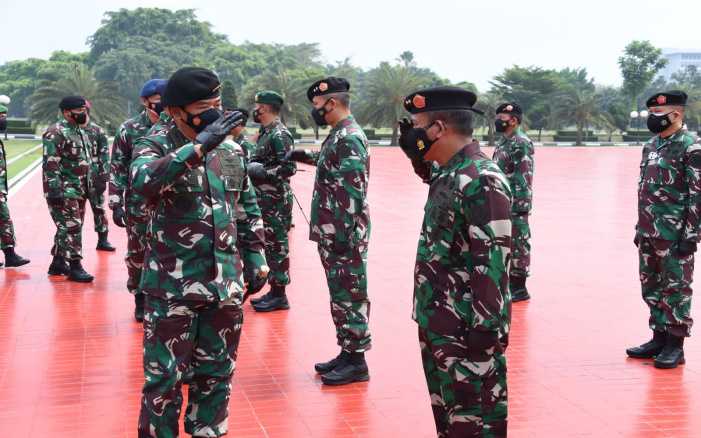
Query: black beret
{"points": [[509, 108], [440, 99], [243, 111], [71, 102], [328, 85], [190, 84], [672, 97]]}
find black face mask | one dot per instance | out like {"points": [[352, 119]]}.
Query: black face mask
{"points": [[319, 113], [79, 118], [156, 107], [501, 125], [657, 124], [256, 115], [415, 142], [3, 124], [200, 121]]}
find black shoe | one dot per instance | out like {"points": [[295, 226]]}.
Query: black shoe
{"points": [[261, 298], [325, 367], [78, 274], [672, 354], [649, 349], [139, 307], [354, 369], [12, 259], [271, 304], [520, 296], [59, 266], [519, 292], [103, 244]]}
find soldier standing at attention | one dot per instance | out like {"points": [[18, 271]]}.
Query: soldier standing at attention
{"points": [[514, 156], [99, 175], [340, 225], [66, 171], [135, 220], [206, 242], [271, 173], [461, 299], [7, 231], [669, 217]]}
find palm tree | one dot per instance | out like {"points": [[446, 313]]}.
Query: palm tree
{"points": [[488, 103], [580, 107], [107, 107]]}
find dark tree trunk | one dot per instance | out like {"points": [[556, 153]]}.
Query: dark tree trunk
{"points": [[395, 135]]}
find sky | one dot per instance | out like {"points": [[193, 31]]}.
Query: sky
{"points": [[460, 40]]}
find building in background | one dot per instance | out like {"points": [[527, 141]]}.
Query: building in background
{"points": [[679, 60]]}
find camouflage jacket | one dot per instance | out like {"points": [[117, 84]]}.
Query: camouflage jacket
{"points": [[122, 150], [273, 143], [3, 170], [340, 213], [669, 188], [514, 156], [100, 151], [461, 273], [67, 161], [205, 224], [245, 143]]}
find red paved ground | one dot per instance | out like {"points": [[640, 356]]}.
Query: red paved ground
{"points": [[70, 355]]}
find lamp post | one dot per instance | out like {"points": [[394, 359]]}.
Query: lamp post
{"points": [[633, 117]]}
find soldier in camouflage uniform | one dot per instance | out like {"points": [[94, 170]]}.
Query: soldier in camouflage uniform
{"points": [[205, 241], [514, 155], [100, 155], [271, 173], [669, 217], [7, 231], [134, 219], [239, 135], [340, 225], [461, 298], [67, 171]]}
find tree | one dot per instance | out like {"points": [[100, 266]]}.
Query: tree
{"points": [[488, 103], [229, 98], [614, 109], [640, 62], [579, 106], [107, 107]]}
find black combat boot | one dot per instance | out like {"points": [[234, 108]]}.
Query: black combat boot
{"points": [[12, 259], [354, 369], [672, 354], [103, 244], [260, 299], [649, 349], [276, 300], [77, 273], [139, 307], [517, 285], [325, 367], [59, 266]]}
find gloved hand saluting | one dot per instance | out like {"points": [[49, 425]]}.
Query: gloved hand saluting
{"points": [[215, 133], [421, 167]]}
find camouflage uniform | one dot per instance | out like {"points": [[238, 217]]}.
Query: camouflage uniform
{"points": [[100, 155], [514, 155], [248, 147], [7, 231], [461, 289], [120, 193], [669, 208], [67, 168], [205, 227], [340, 224], [275, 197]]}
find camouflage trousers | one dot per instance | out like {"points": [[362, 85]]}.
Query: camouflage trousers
{"points": [[520, 246], [97, 204], [197, 339], [136, 248], [7, 231], [68, 240], [468, 394], [277, 218], [346, 276], [666, 285]]}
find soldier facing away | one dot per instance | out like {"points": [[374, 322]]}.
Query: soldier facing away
{"points": [[514, 156], [7, 230], [669, 217], [206, 242], [67, 169], [340, 225], [461, 299]]}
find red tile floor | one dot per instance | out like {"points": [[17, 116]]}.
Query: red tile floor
{"points": [[70, 361]]}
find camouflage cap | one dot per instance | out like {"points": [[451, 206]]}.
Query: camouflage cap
{"points": [[3, 109], [269, 97], [672, 97]]}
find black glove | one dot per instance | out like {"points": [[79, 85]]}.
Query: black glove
{"points": [[255, 280], [479, 342], [100, 186], [298, 155], [686, 248], [119, 217], [421, 168], [55, 201], [636, 240], [257, 173], [216, 132]]}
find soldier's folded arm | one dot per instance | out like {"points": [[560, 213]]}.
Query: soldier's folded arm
{"points": [[488, 214], [119, 168], [282, 143], [53, 184], [250, 229], [692, 176]]}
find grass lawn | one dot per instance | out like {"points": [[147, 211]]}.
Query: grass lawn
{"points": [[14, 148]]}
